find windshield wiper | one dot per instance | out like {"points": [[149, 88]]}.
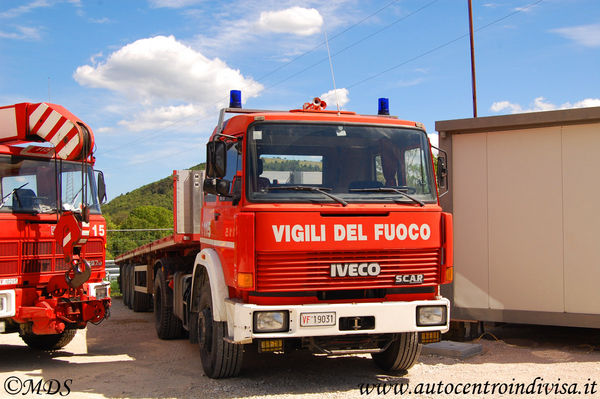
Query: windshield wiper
{"points": [[11, 193], [389, 190], [322, 190]]}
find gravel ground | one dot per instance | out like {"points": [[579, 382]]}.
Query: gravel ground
{"points": [[124, 358]]}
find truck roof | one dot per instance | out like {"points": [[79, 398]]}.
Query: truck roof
{"points": [[247, 116]]}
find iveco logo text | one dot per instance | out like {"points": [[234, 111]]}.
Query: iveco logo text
{"points": [[355, 269]]}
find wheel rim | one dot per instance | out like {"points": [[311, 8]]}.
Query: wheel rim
{"points": [[205, 330]]}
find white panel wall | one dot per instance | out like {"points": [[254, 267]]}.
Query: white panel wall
{"points": [[525, 220], [581, 195], [526, 207], [469, 168]]}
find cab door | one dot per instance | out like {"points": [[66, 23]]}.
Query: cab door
{"points": [[223, 213]]}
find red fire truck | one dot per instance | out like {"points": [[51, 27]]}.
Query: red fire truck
{"points": [[311, 229], [52, 235]]}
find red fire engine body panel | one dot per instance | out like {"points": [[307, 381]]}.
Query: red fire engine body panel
{"points": [[32, 262]]}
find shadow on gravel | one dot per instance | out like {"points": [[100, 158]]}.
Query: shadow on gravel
{"points": [[524, 343], [125, 359]]}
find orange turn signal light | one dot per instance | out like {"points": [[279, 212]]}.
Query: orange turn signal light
{"points": [[449, 275], [245, 280]]}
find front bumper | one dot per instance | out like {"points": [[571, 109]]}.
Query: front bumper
{"points": [[390, 317]]}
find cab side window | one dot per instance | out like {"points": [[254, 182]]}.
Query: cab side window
{"points": [[234, 164]]}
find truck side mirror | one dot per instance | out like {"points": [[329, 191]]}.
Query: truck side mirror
{"points": [[101, 187], [442, 171], [210, 186], [216, 158], [223, 187], [217, 187]]}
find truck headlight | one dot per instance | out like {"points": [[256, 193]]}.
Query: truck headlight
{"points": [[7, 303], [99, 290], [274, 321], [431, 315]]}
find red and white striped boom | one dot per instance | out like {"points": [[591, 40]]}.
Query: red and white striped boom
{"points": [[71, 137]]}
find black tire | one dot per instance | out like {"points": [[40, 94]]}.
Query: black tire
{"points": [[193, 328], [401, 355], [125, 284], [168, 326], [141, 301], [220, 359], [48, 342]]}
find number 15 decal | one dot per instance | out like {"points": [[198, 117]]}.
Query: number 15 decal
{"points": [[98, 230]]}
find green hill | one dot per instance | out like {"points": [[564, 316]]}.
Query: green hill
{"points": [[158, 193], [147, 207]]}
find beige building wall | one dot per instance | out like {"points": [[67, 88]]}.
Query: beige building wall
{"points": [[526, 205], [581, 235]]}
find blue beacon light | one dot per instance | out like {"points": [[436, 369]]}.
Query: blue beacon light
{"points": [[235, 99], [384, 106]]}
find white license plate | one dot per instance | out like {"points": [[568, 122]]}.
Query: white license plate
{"points": [[317, 319], [9, 281]]}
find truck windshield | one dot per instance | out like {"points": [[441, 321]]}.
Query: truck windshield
{"points": [[355, 163], [29, 185]]}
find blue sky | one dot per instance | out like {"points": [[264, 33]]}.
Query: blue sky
{"points": [[150, 75]]}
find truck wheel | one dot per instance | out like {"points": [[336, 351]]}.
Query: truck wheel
{"points": [[193, 328], [125, 284], [48, 342], [168, 326], [141, 301], [220, 359], [401, 355]]}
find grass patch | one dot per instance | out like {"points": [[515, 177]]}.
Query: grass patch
{"points": [[115, 289]]}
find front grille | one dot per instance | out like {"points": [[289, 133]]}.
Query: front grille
{"points": [[45, 256], [8, 267], [36, 265], [300, 271], [60, 264], [93, 246], [37, 248], [9, 248]]}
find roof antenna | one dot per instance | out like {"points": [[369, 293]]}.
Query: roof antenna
{"points": [[337, 100]]}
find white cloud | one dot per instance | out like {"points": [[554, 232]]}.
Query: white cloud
{"points": [[295, 20], [162, 74], [103, 20], [165, 117], [585, 35], [434, 139], [330, 98], [540, 104], [174, 3], [236, 29], [24, 9], [411, 82], [33, 5], [22, 33]]}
